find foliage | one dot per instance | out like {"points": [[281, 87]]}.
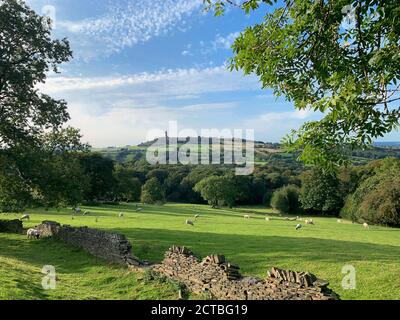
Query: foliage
{"points": [[128, 186], [100, 172], [218, 190], [27, 54], [152, 192], [377, 198], [286, 199], [321, 192], [319, 59]]}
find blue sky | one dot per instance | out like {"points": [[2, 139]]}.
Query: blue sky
{"points": [[140, 64]]}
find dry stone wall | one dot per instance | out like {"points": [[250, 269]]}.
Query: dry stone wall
{"points": [[111, 247], [11, 226], [221, 279]]}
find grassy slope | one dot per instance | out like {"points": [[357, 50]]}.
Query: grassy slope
{"points": [[254, 244]]}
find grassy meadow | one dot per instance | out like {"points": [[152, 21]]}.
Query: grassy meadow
{"points": [[255, 244]]}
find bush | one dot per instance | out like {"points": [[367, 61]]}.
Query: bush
{"points": [[286, 199], [377, 198]]}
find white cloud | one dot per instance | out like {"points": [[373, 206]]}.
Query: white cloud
{"points": [[179, 82], [224, 42], [119, 110], [272, 126], [127, 23]]}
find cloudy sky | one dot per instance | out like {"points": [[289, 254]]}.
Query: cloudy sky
{"points": [[140, 64]]}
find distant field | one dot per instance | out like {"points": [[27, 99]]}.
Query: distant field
{"points": [[254, 244]]}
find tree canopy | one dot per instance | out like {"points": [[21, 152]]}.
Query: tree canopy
{"points": [[338, 57]]}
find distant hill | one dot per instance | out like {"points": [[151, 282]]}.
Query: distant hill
{"points": [[266, 153]]}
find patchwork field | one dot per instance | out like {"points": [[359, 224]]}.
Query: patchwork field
{"points": [[255, 244]]}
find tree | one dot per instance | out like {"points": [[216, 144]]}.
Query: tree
{"points": [[377, 198], [286, 199], [339, 57], [100, 172], [27, 54], [321, 192], [128, 186], [218, 190], [152, 192], [35, 150]]}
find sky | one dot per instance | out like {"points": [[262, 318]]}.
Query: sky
{"points": [[138, 65]]}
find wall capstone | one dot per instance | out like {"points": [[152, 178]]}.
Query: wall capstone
{"points": [[221, 280]]}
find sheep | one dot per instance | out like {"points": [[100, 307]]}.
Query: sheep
{"points": [[25, 217], [77, 210], [121, 215], [309, 221], [299, 226], [365, 225], [246, 216], [190, 222], [196, 216], [267, 219], [33, 233], [339, 220]]}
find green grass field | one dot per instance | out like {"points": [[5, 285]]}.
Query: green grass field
{"points": [[254, 244]]}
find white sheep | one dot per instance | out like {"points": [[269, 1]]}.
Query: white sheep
{"points": [[190, 222], [33, 233], [339, 220], [121, 215], [246, 216], [25, 217], [299, 226], [267, 219], [365, 225], [309, 221]]}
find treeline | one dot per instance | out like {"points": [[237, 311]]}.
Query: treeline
{"points": [[368, 193]]}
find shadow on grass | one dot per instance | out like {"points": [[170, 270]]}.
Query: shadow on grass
{"points": [[248, 249], [66, 259]]}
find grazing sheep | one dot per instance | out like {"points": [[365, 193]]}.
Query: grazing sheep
{"points": [[33, 233], [246, 216], [339, 220], [299, 226], [121, 215], [309, 221], [196, 216], [267, 218], [25, 217], [190, 222], [365, 225]]}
